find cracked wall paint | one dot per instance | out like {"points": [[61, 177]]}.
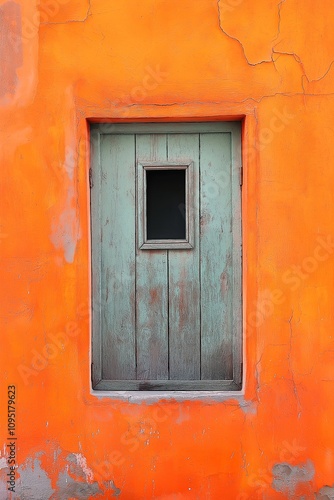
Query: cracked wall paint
{"points": [[257, 49], [278, 35], [64, 11], [267, 62]]}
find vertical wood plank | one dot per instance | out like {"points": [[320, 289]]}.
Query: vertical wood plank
{"points": [[184, 285], [117, 256], [216, 248], [151, 286]]}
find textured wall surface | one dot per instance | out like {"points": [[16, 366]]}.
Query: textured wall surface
{"points": [[63, 62]]}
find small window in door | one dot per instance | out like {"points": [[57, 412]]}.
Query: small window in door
{"points": [[165, 206]]}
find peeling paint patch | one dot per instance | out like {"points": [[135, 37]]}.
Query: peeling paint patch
{"points": [[75, 480], [248, 407], [183, 416], [33, 483], [287, 477], [3, 488], [82, 462], [68, 487], [66, 231], [110, 485], [326, 493], [3, 463], [10, 46]]}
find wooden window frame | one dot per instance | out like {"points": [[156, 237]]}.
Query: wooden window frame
{"points": [[125, 389], [164, 244]]}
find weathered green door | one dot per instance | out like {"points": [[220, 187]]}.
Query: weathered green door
{"points": [[166, 240]]}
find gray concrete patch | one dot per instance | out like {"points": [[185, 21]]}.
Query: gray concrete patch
{"points": [[326, 493], [33, 483], [287, 477]]}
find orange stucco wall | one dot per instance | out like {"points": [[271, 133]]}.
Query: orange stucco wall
{"points": [[64, 62]]}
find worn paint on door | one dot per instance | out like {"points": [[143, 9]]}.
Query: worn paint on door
{"points": [[170, 316]]}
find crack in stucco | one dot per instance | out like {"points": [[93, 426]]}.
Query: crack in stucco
{"points": [[244, 459], [264, 61], [232, 102], [295, 391], [257, 378], [315, 80], [71, 21], [279, 8], [304, 75], [273, 51]]}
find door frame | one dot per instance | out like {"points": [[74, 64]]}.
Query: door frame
{"points": [[234, 128]]}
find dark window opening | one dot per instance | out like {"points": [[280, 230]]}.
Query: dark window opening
{"points": [[165, 204]]}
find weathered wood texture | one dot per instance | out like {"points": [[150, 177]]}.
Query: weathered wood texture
{"points": [[152, 285], [216, 249], [184, 283], [118, 280], [169, 318]]}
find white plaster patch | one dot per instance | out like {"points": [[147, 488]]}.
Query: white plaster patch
{"points": [[3, 463], [66, 231], [248, 407], [183, 416]]}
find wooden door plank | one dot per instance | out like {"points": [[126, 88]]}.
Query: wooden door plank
{"points": [[184, 285], [151, 285], [216, 257], [117, 256]]}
